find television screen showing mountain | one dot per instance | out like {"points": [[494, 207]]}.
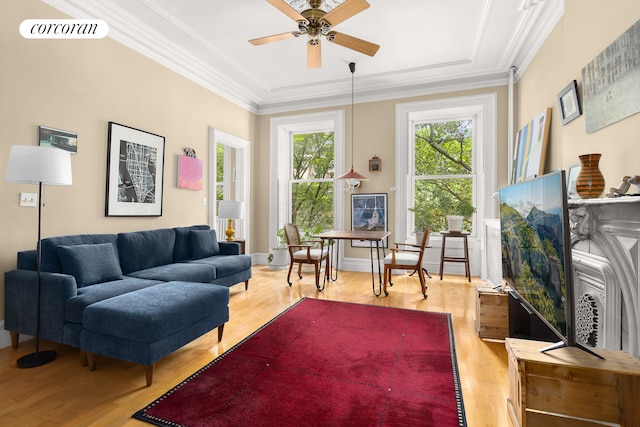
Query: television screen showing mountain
{"points": [[533, 245]]}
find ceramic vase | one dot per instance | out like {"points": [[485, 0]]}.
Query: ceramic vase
{"points": [[590, 182], [455, 222]]}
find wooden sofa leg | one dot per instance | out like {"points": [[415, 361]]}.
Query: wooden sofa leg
{"points": [[220, 331], [91, 361], [246, 285], [83, 357], [148, 373], [14, 339]]}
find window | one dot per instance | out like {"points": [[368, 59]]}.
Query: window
{"points": [[311, 184], [443, 175], [445, 159], [305, 152]]}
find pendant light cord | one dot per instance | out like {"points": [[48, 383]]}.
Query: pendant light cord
{"points": [[352, 67]]}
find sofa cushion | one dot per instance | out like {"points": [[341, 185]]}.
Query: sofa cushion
{"points": [[90, 264], [50, 258], [74, 306], [204, 244], [226, 264], [140, 250], [178, 271], [182, 249]]}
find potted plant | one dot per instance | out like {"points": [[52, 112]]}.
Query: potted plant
{"points": [[277, 258], [425, 215], [459, 213]]}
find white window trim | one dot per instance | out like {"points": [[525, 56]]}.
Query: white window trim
{"points": [[484, 110], [281, 129]]}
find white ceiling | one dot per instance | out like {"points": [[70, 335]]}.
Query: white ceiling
{"points": [[426, 46]]}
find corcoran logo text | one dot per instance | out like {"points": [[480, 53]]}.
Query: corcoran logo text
{"points": [[64, 29]]}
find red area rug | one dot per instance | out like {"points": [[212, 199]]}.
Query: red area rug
{"points": [[326, 363]]}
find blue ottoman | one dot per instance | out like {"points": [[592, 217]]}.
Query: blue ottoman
{"points": [[145, 325]]}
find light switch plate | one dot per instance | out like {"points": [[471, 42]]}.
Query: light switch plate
{"points": [[29, 199]]}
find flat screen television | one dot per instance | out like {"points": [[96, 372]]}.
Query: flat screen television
{"points": [[536, 251]]}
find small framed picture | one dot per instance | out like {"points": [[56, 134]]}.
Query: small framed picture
{"points": [[56, 138], [572, 176], [569, 103], [375, 164]]}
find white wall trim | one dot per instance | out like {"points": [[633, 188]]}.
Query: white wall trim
{"points": [[243, 178]]}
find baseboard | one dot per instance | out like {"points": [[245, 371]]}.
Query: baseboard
{"points": [[5, 336]]}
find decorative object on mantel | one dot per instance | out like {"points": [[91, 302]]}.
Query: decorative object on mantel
{"points": [[610, 82], [635, 180], [572, 175], [621, 190], [569, 101], [590, 182], [375, 164], [190, 152]]}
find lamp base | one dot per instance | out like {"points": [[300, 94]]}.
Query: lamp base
{"points": [[230, 231], [36, 359]]}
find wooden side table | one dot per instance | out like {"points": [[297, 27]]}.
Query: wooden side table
{"points": [[465, 258], [242, 245]]}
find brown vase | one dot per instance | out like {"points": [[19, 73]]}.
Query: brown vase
{"points": [[590, 182]]}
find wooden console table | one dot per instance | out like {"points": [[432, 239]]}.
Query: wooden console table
{"points": [[571, 388]]}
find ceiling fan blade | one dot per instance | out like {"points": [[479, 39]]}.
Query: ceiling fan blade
{"points": [[314, 54], [273, 38], [287, 10], [354, 43], [345, 11]]}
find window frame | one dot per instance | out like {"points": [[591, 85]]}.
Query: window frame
{"points": [[483, 110], [282, 130]]}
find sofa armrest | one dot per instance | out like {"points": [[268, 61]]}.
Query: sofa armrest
{"points": [[229, 248], [20, 302]]}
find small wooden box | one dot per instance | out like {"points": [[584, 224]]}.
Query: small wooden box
{"points": [[492, 313]]}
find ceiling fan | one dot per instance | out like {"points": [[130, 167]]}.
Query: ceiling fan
{"points": [[315, 22]]}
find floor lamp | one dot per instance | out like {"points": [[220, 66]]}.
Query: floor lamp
{"points": [[33, 164]]}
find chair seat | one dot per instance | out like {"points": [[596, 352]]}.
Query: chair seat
{"points": [[402, 258], [314, 254]]}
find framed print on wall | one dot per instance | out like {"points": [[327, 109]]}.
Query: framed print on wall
{"points": [[569, 103], [56, 138], [135, 171], [368, 213]]}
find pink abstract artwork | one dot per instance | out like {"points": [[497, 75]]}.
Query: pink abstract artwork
{"points": [[189, 173]]}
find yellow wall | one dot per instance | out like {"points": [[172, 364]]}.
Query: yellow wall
{"points": [[79, 86], [587, 28]]}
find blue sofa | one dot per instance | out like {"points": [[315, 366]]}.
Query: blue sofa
{"points": [[81, 270]]}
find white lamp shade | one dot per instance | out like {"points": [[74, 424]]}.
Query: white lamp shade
{"points": [[33, 164], [230, 209]]}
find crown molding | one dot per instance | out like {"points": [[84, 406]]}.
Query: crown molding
{"points": [[224, 79]]}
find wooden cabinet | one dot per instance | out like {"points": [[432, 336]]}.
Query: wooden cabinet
{"points": [[492, 313], [569, 387], [242, 245]]}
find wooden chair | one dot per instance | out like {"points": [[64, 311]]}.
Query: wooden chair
{"points": [[407, 256], [303, 252]]}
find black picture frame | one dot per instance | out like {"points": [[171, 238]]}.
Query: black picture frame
{"points": [[135, 172], [569, 100], [364, 207]]}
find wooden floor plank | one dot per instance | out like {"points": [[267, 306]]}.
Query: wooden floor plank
{"points": [[64, 393]]}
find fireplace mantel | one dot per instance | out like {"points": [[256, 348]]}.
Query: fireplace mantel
{"points": [[605, 234]]}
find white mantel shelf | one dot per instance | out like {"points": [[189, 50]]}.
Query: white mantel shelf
{"points": [[604, 200]]}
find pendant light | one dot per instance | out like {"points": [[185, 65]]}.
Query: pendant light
{"points": [[352, 177]]}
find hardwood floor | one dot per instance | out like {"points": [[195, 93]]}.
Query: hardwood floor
{"points": [[63, 393]]}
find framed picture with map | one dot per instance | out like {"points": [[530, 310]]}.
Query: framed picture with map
{"points": [[135, 170]]}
